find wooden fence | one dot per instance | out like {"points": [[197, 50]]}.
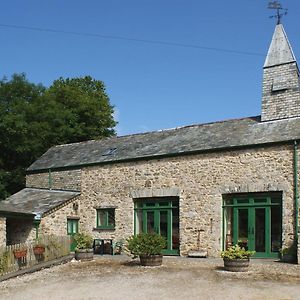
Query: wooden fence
{"points": [[19, 256]]}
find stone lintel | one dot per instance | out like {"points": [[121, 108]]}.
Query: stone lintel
{"points": [[253, 188], [151, 192]]}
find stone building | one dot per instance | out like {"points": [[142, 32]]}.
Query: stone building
{"points": [[207, 185]]}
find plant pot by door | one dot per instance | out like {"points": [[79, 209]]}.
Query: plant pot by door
{"points": [[38, 250], [151, 260], [236, 265], [20, 253]]}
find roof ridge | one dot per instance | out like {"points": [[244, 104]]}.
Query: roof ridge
{"points": [[160, 130]]}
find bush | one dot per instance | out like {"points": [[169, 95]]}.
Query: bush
{"points": [[83, 241], [146, 244], [3, 262], [236, 252]]}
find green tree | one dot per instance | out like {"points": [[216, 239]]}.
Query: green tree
{"points": [[34, 118], [87, 111]]}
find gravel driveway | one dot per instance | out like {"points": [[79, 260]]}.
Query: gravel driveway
{"points": [[120, 277]]}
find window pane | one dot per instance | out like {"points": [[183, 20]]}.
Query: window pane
{"points": [[228, 227], [175, 228], [69, 227], [228, 201], [75, 226], [243, 228], [139, 221], [101, 218], [260, 200], [150, 222], [260, 229], [275, 228], [111, 217], [242, 201]]}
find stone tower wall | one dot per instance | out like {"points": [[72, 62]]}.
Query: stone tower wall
{"points": [[283, 103]]}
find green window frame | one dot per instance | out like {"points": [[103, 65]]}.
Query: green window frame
{"points": [[106, 218]]}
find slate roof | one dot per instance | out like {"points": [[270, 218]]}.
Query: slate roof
{"points": [[280, 51], [34, 201], [183, 140]]}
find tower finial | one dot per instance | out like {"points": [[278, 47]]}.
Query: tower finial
{"points": [[276, 5]]}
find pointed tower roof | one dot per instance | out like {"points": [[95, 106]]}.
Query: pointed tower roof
{"points": [[280, 51]]}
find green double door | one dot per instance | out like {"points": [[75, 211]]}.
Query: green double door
{"points": [[258, 229], [160, 217]]}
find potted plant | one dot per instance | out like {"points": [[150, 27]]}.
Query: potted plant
{"points": [[84, 246], [148, 246], [20, 252], [236, 259], [39, 247]]}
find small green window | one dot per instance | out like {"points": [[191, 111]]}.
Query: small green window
{"points": [[106, 218]]}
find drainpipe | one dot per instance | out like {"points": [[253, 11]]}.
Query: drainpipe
{"points": [[296, 191]]}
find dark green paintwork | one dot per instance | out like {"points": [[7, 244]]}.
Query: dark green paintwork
{"points": [[152, 209], [252, 204], [72, 229]]}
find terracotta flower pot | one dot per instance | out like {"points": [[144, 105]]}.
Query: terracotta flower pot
{"points": [[20, 253], [38, 250]]}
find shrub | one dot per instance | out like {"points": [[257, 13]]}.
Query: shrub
{"points": [[83, 241], [146, 244], [3, 262], [236, 252]]}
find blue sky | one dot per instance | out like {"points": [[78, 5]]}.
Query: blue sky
{"points": [[152, 86]]}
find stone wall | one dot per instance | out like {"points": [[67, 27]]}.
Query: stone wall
{"points": [[2, 231], [20, 231], [55, 222], [283, 103], [201, 179], [60, 180]]}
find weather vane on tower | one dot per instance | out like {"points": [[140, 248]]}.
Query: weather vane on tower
{"points": [[280, 11]]}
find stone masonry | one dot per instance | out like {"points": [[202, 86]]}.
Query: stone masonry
{"points": [[200, 180], [55, 221], [69, 180], [283, 103], [2, 231], [20, 231]]}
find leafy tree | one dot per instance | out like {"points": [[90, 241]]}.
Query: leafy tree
{"points": [[34, 118], [87, 111]]}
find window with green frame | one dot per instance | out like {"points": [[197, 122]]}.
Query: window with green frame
{"points": [[106, 218]]}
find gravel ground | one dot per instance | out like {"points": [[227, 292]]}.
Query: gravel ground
{"points": [[120, 277]]}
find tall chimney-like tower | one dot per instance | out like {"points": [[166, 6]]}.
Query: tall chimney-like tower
{"points": [[281, 88]]}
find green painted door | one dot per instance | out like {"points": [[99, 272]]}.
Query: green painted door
{"points": [[72, 229], [254, 223], [252, 229], [159, 217]]}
